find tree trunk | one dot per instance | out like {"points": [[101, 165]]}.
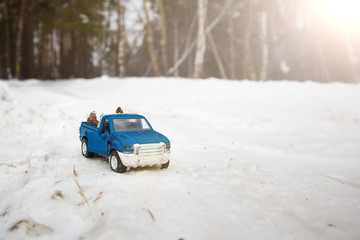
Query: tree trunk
{"points": [[248, 66], [52, 56], [65, 65], [201, 39], [189, 49], [232, 46], [150, 42], [324, 73], [27, 49], [74, 55], [7, 41], [163, 37], [122, 39], [351, 54], [40, 57], [176, 44], [217, 56], [55, 53], [264, 45], [19, 39]]}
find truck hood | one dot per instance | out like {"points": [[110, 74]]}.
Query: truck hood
{"points": [[141, 137]]}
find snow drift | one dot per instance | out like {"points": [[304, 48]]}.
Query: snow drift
{"points": [[250, 160]]}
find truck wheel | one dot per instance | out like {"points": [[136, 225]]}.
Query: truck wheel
{"points": [[165, 165], [84, 149], [115, 163]]}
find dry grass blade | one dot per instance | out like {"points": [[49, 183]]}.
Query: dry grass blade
{"points": [[7, 164], [4, 213], [150, 213], [82, 194], [74, 171], [98, 196], [28, 160], [82, 203], [57, 194], [33, 228], [17, 224]]}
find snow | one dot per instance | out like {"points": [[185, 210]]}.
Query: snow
{"points": [[84, 18], [284, 67], [250, 160]]}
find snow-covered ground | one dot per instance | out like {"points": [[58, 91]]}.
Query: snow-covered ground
{"points": [[250, 160]]}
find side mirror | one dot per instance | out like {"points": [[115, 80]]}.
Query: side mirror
{"points": [[105, 136]]}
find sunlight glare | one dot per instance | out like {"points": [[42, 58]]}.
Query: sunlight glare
{"points": [[345, 14]]}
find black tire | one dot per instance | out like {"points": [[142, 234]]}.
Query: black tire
{"points": [[84, 149], [115, 163], [165, 165]]}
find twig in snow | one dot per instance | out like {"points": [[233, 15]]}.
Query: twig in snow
{"points": [[98, 197], [82, 194], [56, 194], [28, 160], [32, 228], [74, 171], [350, 184], [8, 165], [150, 213], [82, 203], [4, 213]]}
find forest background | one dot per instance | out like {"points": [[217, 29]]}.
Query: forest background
{"points": [[231, 39]]}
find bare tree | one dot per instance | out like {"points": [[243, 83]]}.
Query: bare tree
{"points": [[351, 58], [122, 38], [232, 45], [176, 44], [7, 40], [248, 65], [19, 38], [216, 55], [323, 72], [150, 41], [190, 47], [264, 45], [201, 39], [163, 36]]}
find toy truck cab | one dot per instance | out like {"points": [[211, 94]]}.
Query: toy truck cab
{"points": [[128, 140]]}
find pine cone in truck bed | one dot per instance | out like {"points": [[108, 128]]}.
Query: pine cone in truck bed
{"points": [[92, 120], [119, 110]]}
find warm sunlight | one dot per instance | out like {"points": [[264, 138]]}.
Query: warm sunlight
{"points": [[343, 13]]}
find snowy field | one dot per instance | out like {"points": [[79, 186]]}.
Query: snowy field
{"points": [[250, 160]]}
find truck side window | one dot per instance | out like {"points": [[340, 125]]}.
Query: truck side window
{"points": [[106, 127]]}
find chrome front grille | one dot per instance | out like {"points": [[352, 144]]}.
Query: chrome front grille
{"points": [[150, 152]]}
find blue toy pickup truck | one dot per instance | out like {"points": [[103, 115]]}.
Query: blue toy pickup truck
{"points": [[128, 140]]}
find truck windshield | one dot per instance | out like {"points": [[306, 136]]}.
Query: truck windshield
{"points": [[136, 124]]}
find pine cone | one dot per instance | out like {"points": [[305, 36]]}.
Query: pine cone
{"points": [[119, 110], [92, 119]]}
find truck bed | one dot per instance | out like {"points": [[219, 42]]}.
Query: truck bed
{"points": [[85, 127]]}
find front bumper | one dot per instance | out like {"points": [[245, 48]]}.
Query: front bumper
{"points": [[146, 155]]}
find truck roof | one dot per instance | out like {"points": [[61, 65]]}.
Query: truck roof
{"points": [[123, 116]]}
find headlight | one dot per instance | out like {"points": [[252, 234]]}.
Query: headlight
{"points": [[129, 148]]}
